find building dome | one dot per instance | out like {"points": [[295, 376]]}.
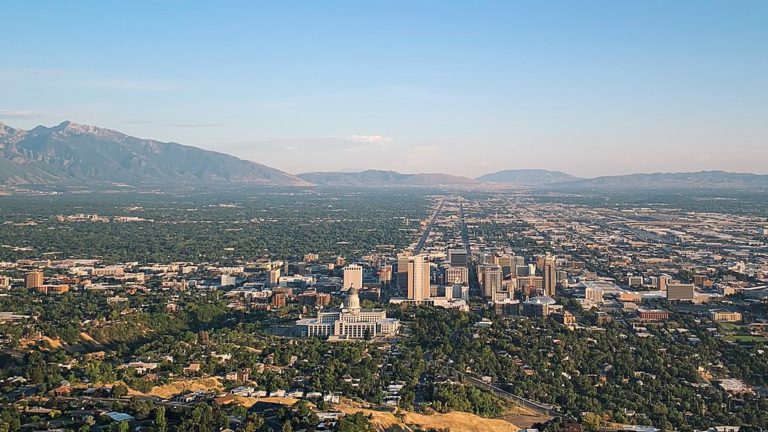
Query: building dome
{"points": [[353, 299], [541, 300]]}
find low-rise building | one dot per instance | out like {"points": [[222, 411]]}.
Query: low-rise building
{"points": [[680, 292], [724, 316], [652, 314], [538, 306]]}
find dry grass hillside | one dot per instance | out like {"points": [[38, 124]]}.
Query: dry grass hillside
{"points": [[385, 419], [389, 420], [44, 343], [182, 386]]}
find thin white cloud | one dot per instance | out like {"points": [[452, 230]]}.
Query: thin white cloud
{"points": [[194, 125], [129, 84], [368, 139], [19, 114], [90, 79], [39, 71]]}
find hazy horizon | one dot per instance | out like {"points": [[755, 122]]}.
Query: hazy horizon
{"points": [[590, 88]]}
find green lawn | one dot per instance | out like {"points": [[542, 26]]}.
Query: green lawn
{"points": [[746, 338]]}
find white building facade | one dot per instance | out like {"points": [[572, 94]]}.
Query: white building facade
{"points": [[350, 322]]}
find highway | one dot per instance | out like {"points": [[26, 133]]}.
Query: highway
{"points": [[474, 281], [428, 228], [464, 231], [534, 406]]}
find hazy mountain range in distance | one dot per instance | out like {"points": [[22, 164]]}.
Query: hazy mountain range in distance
{"points": [[72, 154], [385, 178], [527, 177]]}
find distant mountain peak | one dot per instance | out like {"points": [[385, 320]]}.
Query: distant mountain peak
{"points": [[70, 127], [527, 177], [5, 129]]}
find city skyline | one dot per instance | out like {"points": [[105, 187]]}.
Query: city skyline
{"points": [[608, 88], [341, 216]]}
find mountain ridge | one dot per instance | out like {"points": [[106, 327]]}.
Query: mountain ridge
{"points": [[718, 179], [527, 177], [74, 153], [379, 178]]}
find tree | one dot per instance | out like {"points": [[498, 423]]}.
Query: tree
{"points": [[287, 427], [10, 419], [356, 422], [161, 424], [592, 422], [254, 423], [203, 338], [119, 390], [205, 418], [123, 426]]}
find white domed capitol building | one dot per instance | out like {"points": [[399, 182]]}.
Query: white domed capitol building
{"points": [[350, 322]]}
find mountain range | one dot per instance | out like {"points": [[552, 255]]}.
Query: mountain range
{"points": [[76, 154], [544, 179], [73, 154], [679, 180], [385, 178]]}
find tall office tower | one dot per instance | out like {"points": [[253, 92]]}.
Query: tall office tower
{"points": [[531, 285], [353, 277], [550, 275], [490, 259], [479, 270], [273, 277], [457, 257], [521, 271], [500, 296], [456, 275], [448, 292], [507, 266], [460, 292], [510, 286], [402, 269], [385, 274], [33, 279], [663, 282], [491, 280], [418, 278], [505, 260]]}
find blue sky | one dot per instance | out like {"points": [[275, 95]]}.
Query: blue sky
{"points": [[587, 87]]}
